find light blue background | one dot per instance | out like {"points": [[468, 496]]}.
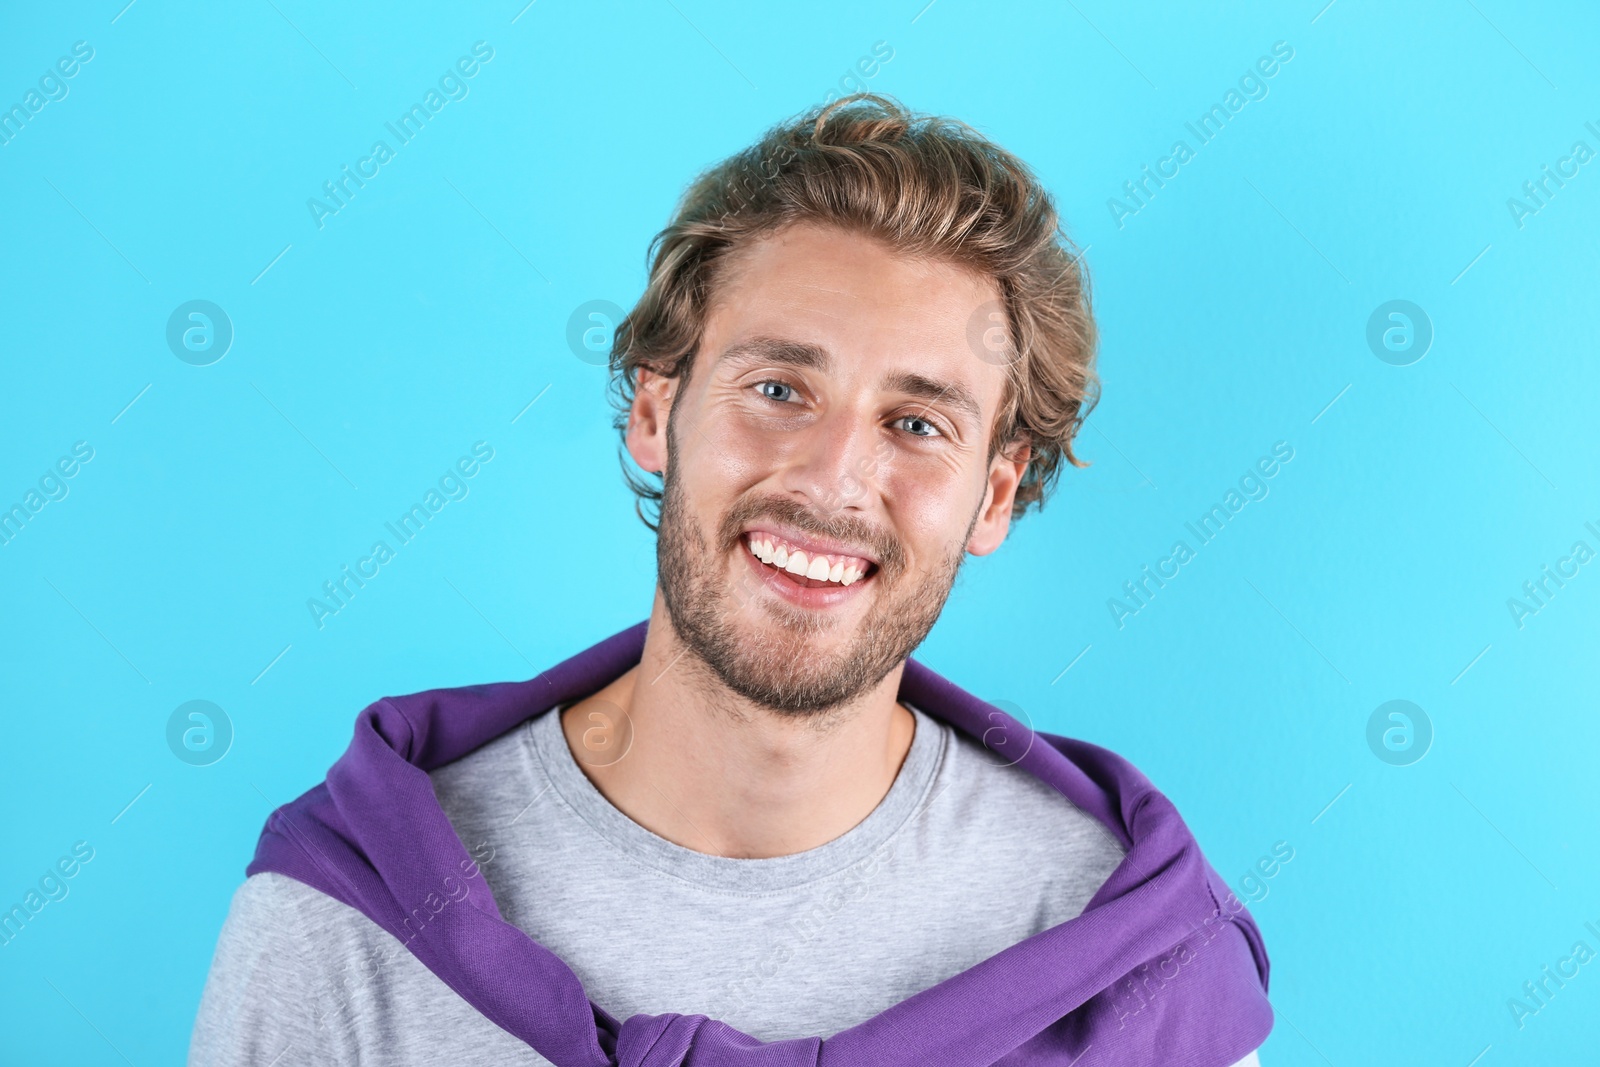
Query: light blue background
{"points": [[431, 310]]}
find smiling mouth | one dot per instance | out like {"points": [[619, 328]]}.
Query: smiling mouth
{"points": [[808, 570]]}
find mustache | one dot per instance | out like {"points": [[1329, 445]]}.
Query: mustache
{"points": [[890, 556]]}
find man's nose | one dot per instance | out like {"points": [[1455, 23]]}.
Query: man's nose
{"points": [[833, 465]]}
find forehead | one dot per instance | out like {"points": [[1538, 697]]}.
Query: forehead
{"points": [[873, 308]]}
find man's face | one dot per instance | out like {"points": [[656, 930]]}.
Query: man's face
{"points": [[836, 409]]}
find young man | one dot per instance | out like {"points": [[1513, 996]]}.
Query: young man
{"points": [[865, 346]]}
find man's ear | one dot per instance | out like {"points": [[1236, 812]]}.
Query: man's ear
{"points": [[1005, 475], [647, 420]]}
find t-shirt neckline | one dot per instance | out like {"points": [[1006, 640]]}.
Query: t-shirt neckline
{"points": [[904, 798]]}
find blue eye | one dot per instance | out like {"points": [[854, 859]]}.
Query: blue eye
{"points": [[933, 430], [778, 384]]}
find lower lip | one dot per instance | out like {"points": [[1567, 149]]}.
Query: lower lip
{"points": [[783, 583]]}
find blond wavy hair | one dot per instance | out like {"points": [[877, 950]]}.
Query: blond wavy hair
{"points": [[930, 187]]}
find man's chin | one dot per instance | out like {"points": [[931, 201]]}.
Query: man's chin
{"points": [[784, 669], [771, 615]]}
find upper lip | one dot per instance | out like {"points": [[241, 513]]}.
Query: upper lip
{"points": [[811, 545]]}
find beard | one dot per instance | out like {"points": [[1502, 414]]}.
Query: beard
{"points": [[770, 661]]}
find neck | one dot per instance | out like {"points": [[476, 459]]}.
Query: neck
{"points": [[713, 772]]}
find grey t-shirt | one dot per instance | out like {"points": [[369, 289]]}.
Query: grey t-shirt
{"points": [[946, 871]]}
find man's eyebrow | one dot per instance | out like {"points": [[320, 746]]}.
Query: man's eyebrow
{"points": [[804, 354], [955, 394], [777, 350]]}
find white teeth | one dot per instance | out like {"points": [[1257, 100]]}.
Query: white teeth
{"points": [[800, 564]]}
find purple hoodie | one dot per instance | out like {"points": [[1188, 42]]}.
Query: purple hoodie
{"points": [[1164, 967]]}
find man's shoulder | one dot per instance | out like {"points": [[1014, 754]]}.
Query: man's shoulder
{"points": [[297, 970], [993, 774], [992, 805], [270, 908], [503, 752], [268, 894], [489, 785]]}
